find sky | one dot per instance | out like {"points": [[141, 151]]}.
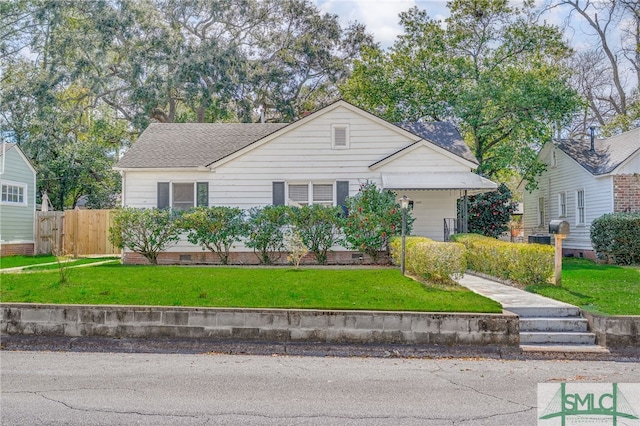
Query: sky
{"points": [[381, 16]]}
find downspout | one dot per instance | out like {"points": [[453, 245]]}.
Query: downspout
{"points": [[123, 203]]}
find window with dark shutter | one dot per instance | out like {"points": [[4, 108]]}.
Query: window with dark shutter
{"points": [[202, 194], [278, 193], [163, 195], [342, 192]]}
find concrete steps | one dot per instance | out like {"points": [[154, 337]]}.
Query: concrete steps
{"points": [[557, 337], [555, 329]]}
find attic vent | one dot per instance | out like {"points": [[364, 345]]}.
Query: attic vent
{"points": [[340, 136]]}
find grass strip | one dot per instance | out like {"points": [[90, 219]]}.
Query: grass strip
{"points": [[16, 261], [605, 289], [352, 289], [70, 262]]}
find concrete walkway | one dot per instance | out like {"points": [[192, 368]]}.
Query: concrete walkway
{"points": [[546, 325], [513, 299]]}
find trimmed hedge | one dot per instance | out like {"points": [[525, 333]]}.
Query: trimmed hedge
{"points": [[616, 238], [430, 259], [520, 262]]}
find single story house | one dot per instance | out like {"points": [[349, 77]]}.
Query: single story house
{"points": [[17, 202], [584, 180], [321, 158]]}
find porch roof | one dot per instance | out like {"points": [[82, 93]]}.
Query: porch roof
{"points": [[438, 180]]}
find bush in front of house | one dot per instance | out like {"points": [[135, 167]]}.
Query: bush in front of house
{"points": [[616, 238], [489, 213], [434, 260], [374, 216], [265, 232], [410, 241], [318, 226], [144, 231], [214, 228], [520, 262]]}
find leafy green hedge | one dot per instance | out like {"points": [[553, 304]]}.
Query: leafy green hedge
{"points": [[520, 262], [616, 237], [430, 259]]}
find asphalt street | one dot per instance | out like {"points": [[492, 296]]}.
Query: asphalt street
{"points": [[66, 388]]}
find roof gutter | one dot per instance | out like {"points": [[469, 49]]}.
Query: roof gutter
{"points": [[163, 169]]}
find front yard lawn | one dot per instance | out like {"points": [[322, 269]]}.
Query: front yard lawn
{"points": [[606, 289], [15, 261], [357, 289]]}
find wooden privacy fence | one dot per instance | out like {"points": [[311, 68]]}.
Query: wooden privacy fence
{"points": [[77, 232]]}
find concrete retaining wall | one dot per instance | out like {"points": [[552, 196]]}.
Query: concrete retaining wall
{"points": [[615, 331], [259, 325]]}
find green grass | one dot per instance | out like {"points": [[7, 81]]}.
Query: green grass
{"points": [[358, 289], [606, 289], [15, 261], [70, 262]]}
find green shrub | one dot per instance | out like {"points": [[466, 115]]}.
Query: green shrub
{"points": [[144, 231], [490, 212], [319, 227], [374, 217], [410, 241], [616, 238], [214, 228], [265, 232], [430, 259], [520, 262]]}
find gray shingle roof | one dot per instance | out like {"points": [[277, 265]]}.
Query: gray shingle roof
{"points": [[443, 134], [175, 145], [192, 144], [609, 153]]}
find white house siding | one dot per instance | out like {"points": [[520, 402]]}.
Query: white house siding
{"points": [[17, 221], [423, 159], [570, 177], [304, 154], [429, 210], [630, 167]]}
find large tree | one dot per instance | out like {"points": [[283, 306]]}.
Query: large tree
{"points": [[77, 74], [490, 69], [607, 75]]}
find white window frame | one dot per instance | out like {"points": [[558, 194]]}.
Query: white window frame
{"points": [[541, 211], [554, 158], [20, 186], [310, 199], [334, 127], [562, 204], [195, 193], [581, 214]]}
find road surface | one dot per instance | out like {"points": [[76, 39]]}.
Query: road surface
{"points": [[65, 388]]}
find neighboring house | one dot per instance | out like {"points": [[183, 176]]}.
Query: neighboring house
{"points": [[584, 180], [321, 158], [17, 203]]}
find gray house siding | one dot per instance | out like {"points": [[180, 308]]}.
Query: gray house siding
{"points": [[16, 220]]}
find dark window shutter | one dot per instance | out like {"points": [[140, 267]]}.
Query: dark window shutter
{"points": [[202, 191], [278, 193], [163, 195], [342, 192]]}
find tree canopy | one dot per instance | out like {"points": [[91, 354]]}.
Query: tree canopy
{"points": [[490, 68], [81, 79]]}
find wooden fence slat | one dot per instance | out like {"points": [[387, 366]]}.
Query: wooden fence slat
{"points": [[79, 232]]}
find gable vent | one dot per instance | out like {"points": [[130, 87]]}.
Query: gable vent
{"points": [[340, 136]]}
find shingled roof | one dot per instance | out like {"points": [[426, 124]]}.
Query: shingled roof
{"points": [[182, 145], [443, 134], [171, 145], [608, 154]]}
